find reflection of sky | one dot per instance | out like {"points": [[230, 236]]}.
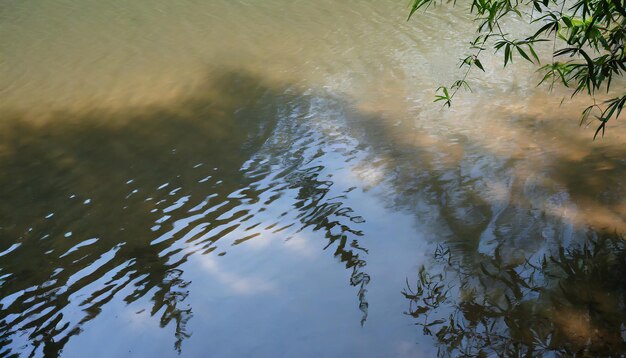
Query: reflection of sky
{"points": [[280, 293], [259, 285], [273, 300]]}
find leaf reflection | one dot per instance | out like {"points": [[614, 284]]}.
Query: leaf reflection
{"points": [[570, 302]]}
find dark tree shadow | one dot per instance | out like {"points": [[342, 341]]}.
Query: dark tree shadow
{"points": [[102, 201]]}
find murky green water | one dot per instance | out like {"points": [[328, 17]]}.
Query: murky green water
{"points": [[271, 178]]}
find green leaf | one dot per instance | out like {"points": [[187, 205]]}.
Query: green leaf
{"points": [[507, 53], [593, 31], [416, 5], [567, 21], [524, 55], [532, 51], [478, 64]]}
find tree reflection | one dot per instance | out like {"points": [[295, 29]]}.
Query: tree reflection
{"points": [[335, 220], [106, 204], [112, 178], [569, 302]]}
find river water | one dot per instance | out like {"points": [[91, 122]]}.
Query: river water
{"points": [[271, 178]]}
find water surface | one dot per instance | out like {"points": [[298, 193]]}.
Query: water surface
{"points": [[243, 178]]}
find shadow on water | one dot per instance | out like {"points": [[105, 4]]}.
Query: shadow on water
{"points": [[99, 201], [110, 204], [568, 302], [534, 189], [530, 258]]}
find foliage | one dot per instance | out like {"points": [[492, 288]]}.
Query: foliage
{"points": [[587, 38]]}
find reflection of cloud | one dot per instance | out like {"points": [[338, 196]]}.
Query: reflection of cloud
{"points": [[138, 320], [259, 242], [408, 349], [295, 243], [301, 246], [498, 191], [238, 284], [368, 174]]}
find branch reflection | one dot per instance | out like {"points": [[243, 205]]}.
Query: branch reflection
{"points": [[568, 302], [111, 204]]}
